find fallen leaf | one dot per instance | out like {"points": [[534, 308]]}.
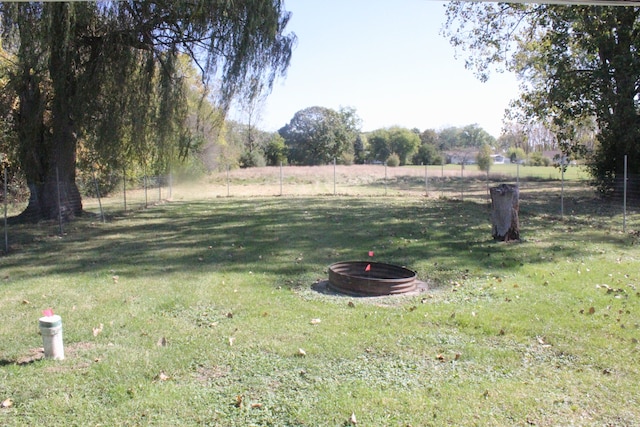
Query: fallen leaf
{"points": [[115, 279], [239, 401], [162, 342], [256, 405], [351, 304], [162, 376], [301, 352], [315, 321], [231, 341], [592, 310], [96, 331], [352, 419], [440, 357], [24, 301], [7, 403]]}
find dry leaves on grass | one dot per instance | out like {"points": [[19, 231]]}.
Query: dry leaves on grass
{"points": [[7, 403], [98, 330]]}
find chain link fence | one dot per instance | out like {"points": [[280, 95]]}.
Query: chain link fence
{"points": [[115, 195]]}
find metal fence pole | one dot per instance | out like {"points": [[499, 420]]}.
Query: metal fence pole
{"points": [[426, 180], [562, 192], [385, 179], [442, 178], [462, 181], [95, 182], [6, 198], [146, 200], [124, 187], [624, 198], [334, 176], [59, 201]]}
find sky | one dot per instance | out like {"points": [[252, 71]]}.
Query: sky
{"points": [[388, 61]]}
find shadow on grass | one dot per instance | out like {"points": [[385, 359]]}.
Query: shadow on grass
{"points": [[296, 237]]}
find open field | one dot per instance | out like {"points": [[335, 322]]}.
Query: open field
{"points": [[209, 310]]}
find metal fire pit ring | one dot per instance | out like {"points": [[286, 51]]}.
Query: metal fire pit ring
{"points": [[363, 278]]}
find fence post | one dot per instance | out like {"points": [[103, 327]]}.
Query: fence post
{"points": [[281, 178], [562, 191], [6, 198], [124, 187], [146, 200], [426, 180], [462, 181], [442, 178], [334, 176], [385, 178], [624, 198], [95, 182], [228, 184], [59, 201]]}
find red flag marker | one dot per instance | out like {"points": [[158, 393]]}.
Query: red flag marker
{"points": [[368, 268], [370, 253], [48, 312]]}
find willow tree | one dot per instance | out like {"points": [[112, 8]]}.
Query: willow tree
{"points": [[107, 74], [575, 62]]}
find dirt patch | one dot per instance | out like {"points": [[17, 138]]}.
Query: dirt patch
{"points": [[37, 353]]}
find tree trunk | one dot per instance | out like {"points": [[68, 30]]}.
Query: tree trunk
{"points": [[49, 142], [504, 215]]}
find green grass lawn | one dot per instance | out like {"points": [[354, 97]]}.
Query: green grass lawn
{"points": [[209, 312]]}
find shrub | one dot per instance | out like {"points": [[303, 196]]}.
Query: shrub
{"points": [[393, 160]]}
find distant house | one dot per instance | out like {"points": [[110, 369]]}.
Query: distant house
{"points": [[499, 159], [467, 157], [553, 155]]}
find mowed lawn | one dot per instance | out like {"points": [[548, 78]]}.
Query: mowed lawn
{"points": [[213, 312]]}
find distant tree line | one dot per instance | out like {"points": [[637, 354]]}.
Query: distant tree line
{"points": [[320, 135]]}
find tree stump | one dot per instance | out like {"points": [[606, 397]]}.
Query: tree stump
{"points": [[504, 215]]}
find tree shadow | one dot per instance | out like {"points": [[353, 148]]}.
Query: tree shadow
{"points": [[299, 237]]}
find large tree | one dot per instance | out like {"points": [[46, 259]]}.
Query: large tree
{"points": [[575, 62], [107, 74], [319, 135], [394, 140]]}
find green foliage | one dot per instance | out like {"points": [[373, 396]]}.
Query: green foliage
{"points": [[427, 154], [393, 160], [112, 80], [252, 160], [516, 154], [318, 135], [275, 151], [470, 136], [360, 149], [483, 159], [536, 159], [400, 141], [576, 68]]}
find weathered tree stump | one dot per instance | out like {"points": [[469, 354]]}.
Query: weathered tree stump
{"points": [[504, 216]]}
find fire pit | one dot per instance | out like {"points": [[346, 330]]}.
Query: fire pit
{"points": [[362, 278]]}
